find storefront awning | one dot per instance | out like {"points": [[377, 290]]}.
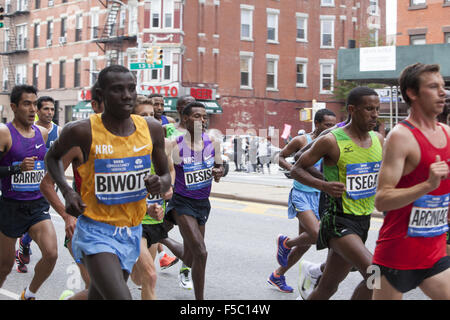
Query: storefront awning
{"points": [[212, 106]]}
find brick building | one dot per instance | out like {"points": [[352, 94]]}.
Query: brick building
{"points": [[255, 63], [423, 22]]}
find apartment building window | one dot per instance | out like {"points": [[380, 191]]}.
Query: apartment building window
{"points": [[374, 37], [272, 25], [272, 72], [94, 25], [327, 3], [122, 17], [167, 62], [5, 79], [48, 75], [50, 3], [302, 27], [49, 32], [246, 69], [37, 4], [168, 14], [327, 31], [418, 2], [64, 27], [447, 37], [417, 39], [326, 77], [78, 27], [6, 43], [93, 72], [62, 74], [246, 22], [22, 5], [373, 10], [132, 18], [301, 67], [21, 34], [156, 13], [21, 74], [35, 74], [37, 33], [77, 73]]}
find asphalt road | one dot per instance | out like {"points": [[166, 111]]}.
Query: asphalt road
{"points": [[240, 239]]}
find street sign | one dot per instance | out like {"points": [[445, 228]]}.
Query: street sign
{"points": [[141, 66]]}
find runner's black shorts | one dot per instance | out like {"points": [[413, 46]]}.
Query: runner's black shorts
{"points": [[153, 233], [17, 216], [336, 226], [407, 280], [197, 208]]}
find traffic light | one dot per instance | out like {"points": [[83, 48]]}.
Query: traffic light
{"points": [[1, 17], [159, 56], [149, 56]]}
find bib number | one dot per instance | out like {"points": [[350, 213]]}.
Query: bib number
{"points": [[428, 216], [28, 181], [361, 179]]}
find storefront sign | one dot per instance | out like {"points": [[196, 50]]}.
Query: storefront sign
{"points": [[166, 91]]}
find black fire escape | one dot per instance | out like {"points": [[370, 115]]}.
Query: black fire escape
{"points": [[112, 37], [13, 45]]}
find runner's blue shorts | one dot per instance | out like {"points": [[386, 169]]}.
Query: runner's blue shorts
{"points": [[300, 201], [92, 237]]}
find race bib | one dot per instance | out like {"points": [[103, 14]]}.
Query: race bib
{"points": [[198, 175], [361, 179], [119, 181], [154, 199], [28, 180], [428, 216]]}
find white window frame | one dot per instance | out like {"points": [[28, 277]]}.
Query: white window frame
{"points": [[21, 36], [167, 62], [248, 56], [323, 63], [374, 8], [324, 19], [418, 2], [168, 12], [327, 3], [247, 9], [272, 58], [155, 9], [94, 22], [418, 39], [273, 13], [133, 13], [304, 62], [20, 76], [304, 17]]}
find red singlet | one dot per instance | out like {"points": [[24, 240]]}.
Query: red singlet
{"points": [[413, 237]]}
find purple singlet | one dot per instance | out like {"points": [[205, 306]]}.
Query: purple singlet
{"points": [[193, 176], [25, 185]]}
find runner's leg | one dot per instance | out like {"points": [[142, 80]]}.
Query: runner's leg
{"points": [[7, 256]]}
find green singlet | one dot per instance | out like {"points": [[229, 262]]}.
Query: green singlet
{"points": [[358, 169]]}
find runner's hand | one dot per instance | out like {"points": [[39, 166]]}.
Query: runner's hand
{"points": [[217, 173], [438, 171], [74, 205], [27, 164], [334, 189], [168, 195], [71, 222], [153, 184], [155, 211]]}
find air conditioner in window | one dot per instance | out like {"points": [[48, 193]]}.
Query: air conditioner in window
{"points": [[62, 40], [49, 42]]}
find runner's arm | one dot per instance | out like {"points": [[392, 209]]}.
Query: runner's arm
{"points": [[218, 169], [395, 155], [323, 147], [47, 188], [5, 144], [161, 181], [293, 146]]}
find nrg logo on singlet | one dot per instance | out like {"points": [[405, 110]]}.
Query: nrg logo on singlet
{"points": [[104, 149]]}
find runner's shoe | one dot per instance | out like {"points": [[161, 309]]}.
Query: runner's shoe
{"points": [[280, 283], [66, 294], [22, 296], [24, 252], [307, 282], [21, 268], [282, 250], [166, 261], [185, 278]]}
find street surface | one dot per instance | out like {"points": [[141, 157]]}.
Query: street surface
{"points": [[241, 244]]}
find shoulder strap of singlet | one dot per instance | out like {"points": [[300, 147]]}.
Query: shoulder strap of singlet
{"points": [[407, 124]]}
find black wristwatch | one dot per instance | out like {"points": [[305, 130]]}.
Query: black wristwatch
{"points": [[16, 169]]}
